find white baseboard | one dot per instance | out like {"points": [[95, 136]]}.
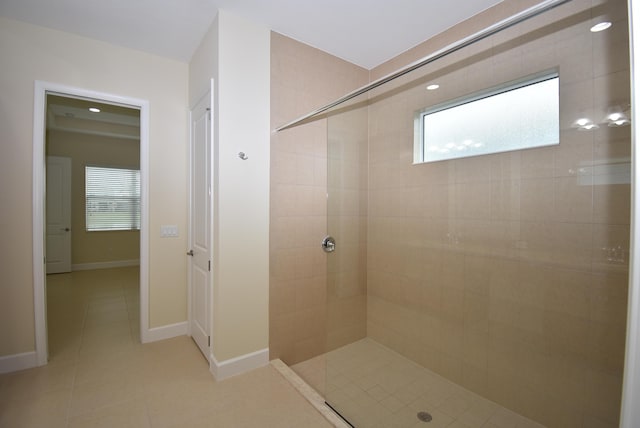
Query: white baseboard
{"points": [[165, 332], [15, 362], [105, 265], [238, 365]]}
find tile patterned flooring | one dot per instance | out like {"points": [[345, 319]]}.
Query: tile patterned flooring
{"points": [[99, 375], [375, 387]]}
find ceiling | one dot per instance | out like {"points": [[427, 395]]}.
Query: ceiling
{"points": [[73, 115], [364, 32]]}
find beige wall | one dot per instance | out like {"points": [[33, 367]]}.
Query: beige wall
{"points": [[236, 54], [494, 270], [204, 65], [31, 53], [93, 150], [302, 79]]}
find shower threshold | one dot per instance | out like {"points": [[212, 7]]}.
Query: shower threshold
{"points": [[310, 394]]}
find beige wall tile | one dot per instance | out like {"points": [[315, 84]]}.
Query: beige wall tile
{"points": [[302, 79], [611, 204], [539, 202], [574, 201]]}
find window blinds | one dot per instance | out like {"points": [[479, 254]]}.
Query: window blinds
{"points": [[112, 198]]}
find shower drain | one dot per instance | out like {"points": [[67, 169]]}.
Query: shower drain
{"points": [[425, 417]]}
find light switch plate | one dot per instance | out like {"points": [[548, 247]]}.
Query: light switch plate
{"points": [[168, 231]]}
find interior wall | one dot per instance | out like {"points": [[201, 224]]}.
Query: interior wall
{"points": [[235, 53], [241, 234], [204, 66], [31, 53], [93, 150], [508, 273], [302, 79]]}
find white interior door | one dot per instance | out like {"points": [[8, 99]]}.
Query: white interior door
{"points": [[200, 232], [58, 214]]}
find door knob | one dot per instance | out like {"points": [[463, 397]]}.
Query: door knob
{"points": [[64, 229], [190, 253]]}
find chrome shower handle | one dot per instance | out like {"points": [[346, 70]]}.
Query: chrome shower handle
{"points": [[329, 244]]}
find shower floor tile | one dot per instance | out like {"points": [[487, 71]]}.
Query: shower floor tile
{"points": [[375, 387]]}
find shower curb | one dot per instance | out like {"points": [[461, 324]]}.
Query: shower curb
{"points": [[310, 394]]}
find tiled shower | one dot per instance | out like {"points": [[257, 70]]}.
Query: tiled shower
{"points": [[504, 273]]}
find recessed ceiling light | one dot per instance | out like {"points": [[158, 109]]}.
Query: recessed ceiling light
{"points": [[600, 27], [615, 116], [582, 122], [94, 109], [620, 122], [433, 87], [588, 127]]}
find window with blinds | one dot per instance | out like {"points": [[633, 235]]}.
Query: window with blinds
{"points": [[112, 198]]}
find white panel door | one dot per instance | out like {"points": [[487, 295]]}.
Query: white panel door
{"points": [[200, 228], [58, 214]]}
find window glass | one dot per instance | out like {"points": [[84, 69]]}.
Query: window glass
{"points": [[516, 116]]}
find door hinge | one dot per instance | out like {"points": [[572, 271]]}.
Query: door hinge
{"points": [[209, 265], [208, 340]]}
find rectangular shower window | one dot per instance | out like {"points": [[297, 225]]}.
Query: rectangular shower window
{"points": [[519, 115]]}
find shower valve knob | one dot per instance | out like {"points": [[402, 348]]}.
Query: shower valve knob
{"points": [[329, 244]]}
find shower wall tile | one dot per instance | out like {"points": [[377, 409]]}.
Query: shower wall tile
{"points": [[577, 151], [614, 60], [610, 143], [579, 102], [574, 200], [607, 347], [608, 293], [572, 245], [569, 293], [473, 200], [538, 199], [578, 50], [612, 203], [472, 169], [303, 79], [601, 387], [505, 199], [513, 266]]}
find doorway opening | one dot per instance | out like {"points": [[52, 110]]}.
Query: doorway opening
{"points": [[92, 211], [108, 226]]}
